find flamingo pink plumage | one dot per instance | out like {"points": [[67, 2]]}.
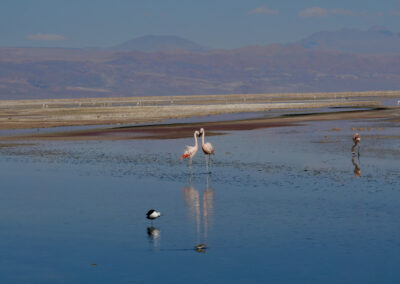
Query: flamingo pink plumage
{"points": [[190, 151], [356, 140], [207, 148]]}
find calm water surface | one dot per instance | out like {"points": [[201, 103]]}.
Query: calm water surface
{"points": [[282, 205]]}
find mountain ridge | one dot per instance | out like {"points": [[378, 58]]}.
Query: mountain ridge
{"points": [[27, 73], [376, 40], [155, 43]]}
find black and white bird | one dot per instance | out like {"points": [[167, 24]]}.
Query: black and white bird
{"points": [[200, 248], [153, 214]]}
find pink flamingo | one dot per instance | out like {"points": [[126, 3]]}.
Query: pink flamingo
{"points": [[356, 140], [208, 148], [190, 151]]}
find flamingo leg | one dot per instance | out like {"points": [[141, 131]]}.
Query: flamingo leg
{"points": [[190, 167], [191, 177], [205, 157]]}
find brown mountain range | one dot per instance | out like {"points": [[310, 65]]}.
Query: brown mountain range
{"points": [[27, 73]]}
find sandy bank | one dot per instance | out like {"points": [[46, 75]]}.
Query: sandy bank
{"points": [[182, 130], [113, 111], [124, 111]]}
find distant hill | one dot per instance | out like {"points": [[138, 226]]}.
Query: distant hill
{"points": [[377, 40], [29, 73], [152, 43]]}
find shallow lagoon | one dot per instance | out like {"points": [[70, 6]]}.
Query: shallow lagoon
{"points": [[282, 205]]}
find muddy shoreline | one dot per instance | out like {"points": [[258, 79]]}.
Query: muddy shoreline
{"points": [[27, 114], [119, 118], [182, 130]]}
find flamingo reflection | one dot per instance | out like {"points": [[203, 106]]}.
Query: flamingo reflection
{"points": [[357, 169], [200, 206]]}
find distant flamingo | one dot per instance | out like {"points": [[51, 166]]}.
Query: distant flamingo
{"points": [[208, 148], [190, 151], [356, 140]]}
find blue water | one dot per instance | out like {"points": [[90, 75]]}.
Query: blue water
{"points": [[282, 205]]}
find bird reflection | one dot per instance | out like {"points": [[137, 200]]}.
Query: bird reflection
{"points": [[208, 204], [200, 207], [154, 235], [357, 169]]}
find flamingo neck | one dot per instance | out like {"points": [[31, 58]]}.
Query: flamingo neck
{"points": [[202, 138], [195, 141]]}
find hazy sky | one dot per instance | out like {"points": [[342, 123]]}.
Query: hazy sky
{"points": [[214, 23]]}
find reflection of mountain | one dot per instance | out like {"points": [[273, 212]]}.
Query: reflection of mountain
{"points": [[200, 206]]}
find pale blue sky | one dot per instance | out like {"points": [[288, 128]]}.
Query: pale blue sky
{"points": [[214, 23]]}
